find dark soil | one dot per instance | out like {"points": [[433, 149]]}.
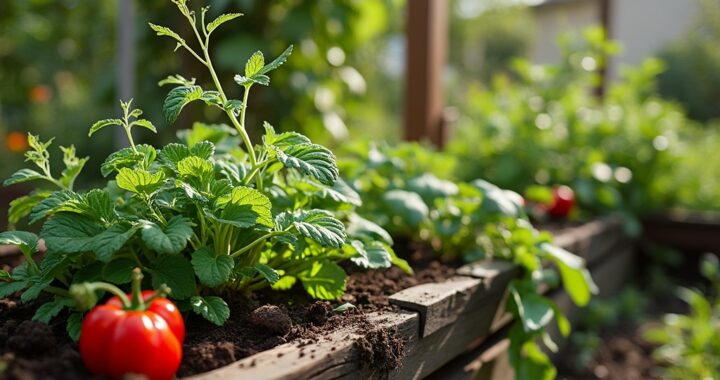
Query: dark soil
{"points": [[31, 350], [382, 350], [623, 355]]}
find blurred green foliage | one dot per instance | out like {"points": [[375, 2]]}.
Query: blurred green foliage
{"points": [[693, 66], [690, 344], [57, 71], [632, 151]]}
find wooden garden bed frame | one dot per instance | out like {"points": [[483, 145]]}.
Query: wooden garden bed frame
{"points": [[454, 329]]}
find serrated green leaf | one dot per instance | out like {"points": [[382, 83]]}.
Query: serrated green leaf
{"points": [[244, 207], [5, 276], [176, 79], [147, 124], [96, 204], [324, 280], [50, 204], [203, 149], [139, 181], [197, 167], [112, 240], [254, 64], [102, 124], [176, 272], [214, 309], [23, 175], [26, 241], [165, 31], [282, 140], [74, 326], [320, 226], [128, 158], [169, 240], [178, 98], [270, 274], [73, 166], [223, 18], [12, 287], [282, 58], [70, 233], [409, 206], [212, 269], [262, 80], [173, 153], [118, 271], [234, 106], [21, 207], [310, 159], [371, 255], [37, 286], [49, 310]]}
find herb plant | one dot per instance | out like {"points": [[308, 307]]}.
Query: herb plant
{"points": [[690, 344], [472, 221], [206, 218]]}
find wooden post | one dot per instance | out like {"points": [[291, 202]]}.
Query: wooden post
{"points": [[126, 60], [605, 20], [427, 38]]}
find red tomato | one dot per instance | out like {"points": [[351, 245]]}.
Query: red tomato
{"points": [[563, 202], [115, 342]]}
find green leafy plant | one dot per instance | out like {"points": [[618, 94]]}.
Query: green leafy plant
{"points": [[543, 125], [211, 215], [690, 344], [475, 220]]}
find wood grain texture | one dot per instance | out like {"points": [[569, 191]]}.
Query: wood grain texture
{"points": [[335, 356], [440, 304]]}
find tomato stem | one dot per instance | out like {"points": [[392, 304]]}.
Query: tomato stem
{"points": [[86, 298]]}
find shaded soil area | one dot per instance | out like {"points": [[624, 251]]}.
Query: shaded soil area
{"points": [[623, 353], [32, 350]]}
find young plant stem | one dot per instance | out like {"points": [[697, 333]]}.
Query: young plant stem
{"points": [[257, 241]]}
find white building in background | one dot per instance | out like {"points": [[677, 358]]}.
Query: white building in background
{"points": [[643, 27]]}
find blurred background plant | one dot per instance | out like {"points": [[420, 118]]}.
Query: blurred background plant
{"points": [[520, 124], [690, 344]]}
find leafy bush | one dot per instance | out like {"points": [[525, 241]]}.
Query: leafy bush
{"points": [[693, 66], [547, 128], [205, 216], [474, 220], [690, 344]]}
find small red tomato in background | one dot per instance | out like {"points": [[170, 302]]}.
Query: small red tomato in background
{"points": [[141, 334], [40, 94], [563, 202], [16, 142]]}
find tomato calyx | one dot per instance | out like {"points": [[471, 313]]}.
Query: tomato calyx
{"points": [[86, 297]]}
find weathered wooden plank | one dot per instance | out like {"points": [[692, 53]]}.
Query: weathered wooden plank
{"points": [[590, 241], [425, 355], [490, 361], [690, 231], [494, 273], [335, 356], [439, 304]]}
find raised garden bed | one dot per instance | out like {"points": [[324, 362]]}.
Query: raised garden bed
{"points": [[684, 230], [437, 330], [449, 330]]}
